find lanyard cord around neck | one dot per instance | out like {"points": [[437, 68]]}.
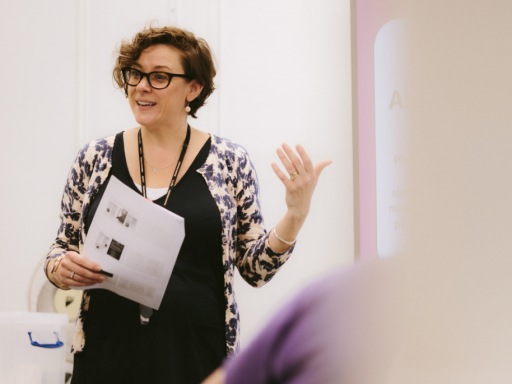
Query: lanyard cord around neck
{"points": [[176, 170], [146, 312]]}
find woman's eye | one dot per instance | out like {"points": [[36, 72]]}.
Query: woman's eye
{"points": [[160, 77]]}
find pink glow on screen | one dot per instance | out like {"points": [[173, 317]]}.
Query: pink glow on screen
{"points": [[371, 15]]}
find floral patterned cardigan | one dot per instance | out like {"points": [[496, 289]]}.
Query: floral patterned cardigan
{"points": [[232, 181]]}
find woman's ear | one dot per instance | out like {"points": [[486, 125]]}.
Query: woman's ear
{"points": [[194, 90]]}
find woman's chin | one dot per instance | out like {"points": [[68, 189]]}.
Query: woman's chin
{"points": [[145, 121]]}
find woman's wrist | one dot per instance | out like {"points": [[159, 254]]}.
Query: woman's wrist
{"points": [[51, 272], [284, 234], [289, 243], [293, 219]]}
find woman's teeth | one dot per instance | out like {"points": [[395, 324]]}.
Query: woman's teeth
{"points": [[143, 104]]}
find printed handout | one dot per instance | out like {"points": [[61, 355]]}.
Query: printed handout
{"points": [[136, 243]]}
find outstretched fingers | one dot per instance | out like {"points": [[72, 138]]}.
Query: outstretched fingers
{"points": [[294, 159], [303, 165], [284, 178], [306, 160], [290, 168]]}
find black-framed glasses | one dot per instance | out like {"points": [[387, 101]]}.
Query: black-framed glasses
{"points": [[157, 80]]}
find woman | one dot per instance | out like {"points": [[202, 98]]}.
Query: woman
{"points": [[167, 74]]}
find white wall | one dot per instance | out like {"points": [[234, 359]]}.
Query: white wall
{"points": [[38, 122], [284, 75]]}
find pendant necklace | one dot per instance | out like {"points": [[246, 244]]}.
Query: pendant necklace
{"points": [[154, 169], [176, 170]]}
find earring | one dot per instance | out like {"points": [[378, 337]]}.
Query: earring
{"points": [[187, 108]]}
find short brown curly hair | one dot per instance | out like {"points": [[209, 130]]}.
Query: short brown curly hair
{"points": [[196, 58]]}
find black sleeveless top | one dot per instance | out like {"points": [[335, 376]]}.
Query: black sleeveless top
{"points": [[185, 339]]}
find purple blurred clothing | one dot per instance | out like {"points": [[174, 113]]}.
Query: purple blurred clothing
{"points": [[344, 328], [397, 320], [298, 345]]}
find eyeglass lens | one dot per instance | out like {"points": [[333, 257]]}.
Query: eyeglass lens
{"points": [[156, 79]]}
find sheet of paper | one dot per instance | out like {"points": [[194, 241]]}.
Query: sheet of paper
{"points": [[136, 242]]}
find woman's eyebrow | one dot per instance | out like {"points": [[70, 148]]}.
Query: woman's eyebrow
{"points": [[162, 67], [156, 67]]}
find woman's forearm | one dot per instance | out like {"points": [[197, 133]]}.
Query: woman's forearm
{"points": [[287, 229]]}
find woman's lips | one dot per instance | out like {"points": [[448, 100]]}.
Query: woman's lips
{"points": [[145, 105]]}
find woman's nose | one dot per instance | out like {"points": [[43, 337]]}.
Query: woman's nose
{"points": [[143, 85]]}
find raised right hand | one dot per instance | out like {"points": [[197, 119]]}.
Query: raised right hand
{"points": [[85, 271]]}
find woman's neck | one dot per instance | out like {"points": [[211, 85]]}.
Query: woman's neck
{"points": [[169, 137]]}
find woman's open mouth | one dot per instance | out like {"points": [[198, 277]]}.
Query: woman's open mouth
{"points": [[145, 104]]}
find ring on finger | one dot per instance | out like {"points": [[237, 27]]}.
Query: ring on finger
{"points": [[72, 274], [293, 175]]}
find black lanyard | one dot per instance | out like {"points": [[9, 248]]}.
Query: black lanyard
{"points": [[176, 170], [146, 312]]}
